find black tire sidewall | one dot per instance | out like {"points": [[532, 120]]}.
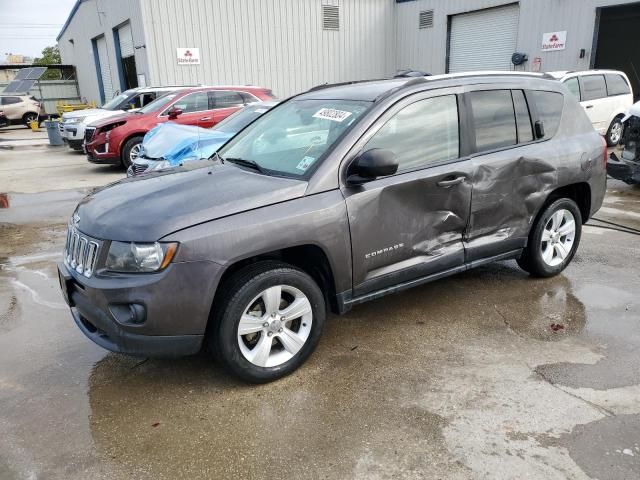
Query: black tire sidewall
{"points": [[25, 118], [126, 150], [226, 340], [535, 262]]}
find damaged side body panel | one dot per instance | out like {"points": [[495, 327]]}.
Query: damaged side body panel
{"points": [[627, 168]]}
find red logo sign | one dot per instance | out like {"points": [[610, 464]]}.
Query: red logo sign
{"points": [[554, 38], [188, 53]]}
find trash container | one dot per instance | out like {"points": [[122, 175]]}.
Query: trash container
{"points": [[54, 133]]}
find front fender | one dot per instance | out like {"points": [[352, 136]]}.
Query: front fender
{"points": [[319, 220]]}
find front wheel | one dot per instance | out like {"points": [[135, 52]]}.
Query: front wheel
{"points": [[614, 133], [28, 118], [131, 150], [267, 321], [554, 239]]}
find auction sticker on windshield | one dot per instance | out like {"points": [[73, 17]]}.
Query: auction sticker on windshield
{"points": [[305, 163], [332, 114]]}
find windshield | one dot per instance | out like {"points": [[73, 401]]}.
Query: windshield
{"points": [[236, 122], [292, 138], [114, 103], [157, 104]]}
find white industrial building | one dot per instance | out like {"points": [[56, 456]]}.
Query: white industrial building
{"points": [[292, 45]]}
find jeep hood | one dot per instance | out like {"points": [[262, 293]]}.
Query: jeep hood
{"points": [[147, 208]]}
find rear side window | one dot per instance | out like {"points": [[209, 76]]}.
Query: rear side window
{"points": [[225, 99], [573, 86], [523, 118], [549, 109], [593, 87], [617, 85], [421, 134], [494, 119], [10, 100]]}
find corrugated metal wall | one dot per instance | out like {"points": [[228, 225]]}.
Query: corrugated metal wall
{"points": [[425, 49], [278, 44], [93, 18]]}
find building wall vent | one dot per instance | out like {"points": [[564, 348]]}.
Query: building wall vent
{"points": [[426, 19], [330, 17]]}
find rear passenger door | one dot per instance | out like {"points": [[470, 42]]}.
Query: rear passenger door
{"points": [[223, 103], [509, 174], [411, 224], [595, 102]]}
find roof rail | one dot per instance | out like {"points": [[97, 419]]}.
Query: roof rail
{"points": [[341, 84]]}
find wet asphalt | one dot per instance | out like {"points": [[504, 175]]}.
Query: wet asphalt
{"points": [[487, 374]]}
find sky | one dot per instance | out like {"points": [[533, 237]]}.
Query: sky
{"points": [[27, 26]]}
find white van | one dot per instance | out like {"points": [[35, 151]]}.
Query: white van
{"points": [[605, 95]]}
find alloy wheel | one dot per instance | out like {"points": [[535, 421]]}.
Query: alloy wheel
{"points": [[135, 152], [616, 132], [558, 237], [275, 326]]}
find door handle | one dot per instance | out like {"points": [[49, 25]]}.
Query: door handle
{"points": [[203, 119], [451, 182], [589, 106]]}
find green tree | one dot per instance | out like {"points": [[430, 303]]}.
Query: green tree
{"points": [[50, 55]]}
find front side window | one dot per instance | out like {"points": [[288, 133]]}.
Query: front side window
{"points": [[593, 87], [421, 134], [10, 100], [293, 138], [549, 109], [494, 119], [617, 85], [574, 87], [194, 102], [158, 104]]}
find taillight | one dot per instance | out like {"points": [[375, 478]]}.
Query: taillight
{"points": [[605, 154]]}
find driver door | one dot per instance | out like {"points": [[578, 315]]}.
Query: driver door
{"points": [[411, 224], [195, 109]]}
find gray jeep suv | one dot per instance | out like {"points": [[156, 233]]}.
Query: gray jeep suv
{"points": [[334, 197]]}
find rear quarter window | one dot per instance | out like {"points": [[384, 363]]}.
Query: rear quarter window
{"points": [[548, 106], [617, 85]]}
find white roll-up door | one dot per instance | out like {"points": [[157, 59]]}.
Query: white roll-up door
{"points": [[105, 69], [126, 41], [483, 40]]}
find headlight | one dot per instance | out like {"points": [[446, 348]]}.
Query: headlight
{"points": [[140, 257]]}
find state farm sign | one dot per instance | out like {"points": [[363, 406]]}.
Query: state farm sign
{"points": [[554, 41], [188, 56]]}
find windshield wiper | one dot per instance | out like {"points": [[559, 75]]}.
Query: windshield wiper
{"points": [[246, 163]]}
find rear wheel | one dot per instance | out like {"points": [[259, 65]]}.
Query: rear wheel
{"points": [[29, 117], [267, 321], [554, 239], [131, 150], [614, 134]]}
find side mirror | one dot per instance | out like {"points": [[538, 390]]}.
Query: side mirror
{"points": [[369, 165], [174, 112], [539, 127]]}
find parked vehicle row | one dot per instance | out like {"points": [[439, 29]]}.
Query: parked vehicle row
{"points": [[73, 124], [331, 198]]}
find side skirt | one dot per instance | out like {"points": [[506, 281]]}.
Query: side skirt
{"points": [[346, 301]]}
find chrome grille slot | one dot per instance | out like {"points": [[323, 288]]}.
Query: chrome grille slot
{"points": [[80, 252]]}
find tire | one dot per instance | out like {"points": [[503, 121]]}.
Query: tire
{"points": [[28, 118], [536, 259], [614, 133], [130, 146], [287, 343]]}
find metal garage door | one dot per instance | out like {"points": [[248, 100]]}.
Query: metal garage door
{"points": [[483, 40], [126, 41], [105, 69]]}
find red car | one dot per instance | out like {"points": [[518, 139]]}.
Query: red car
{"points": [[117, 140]]}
